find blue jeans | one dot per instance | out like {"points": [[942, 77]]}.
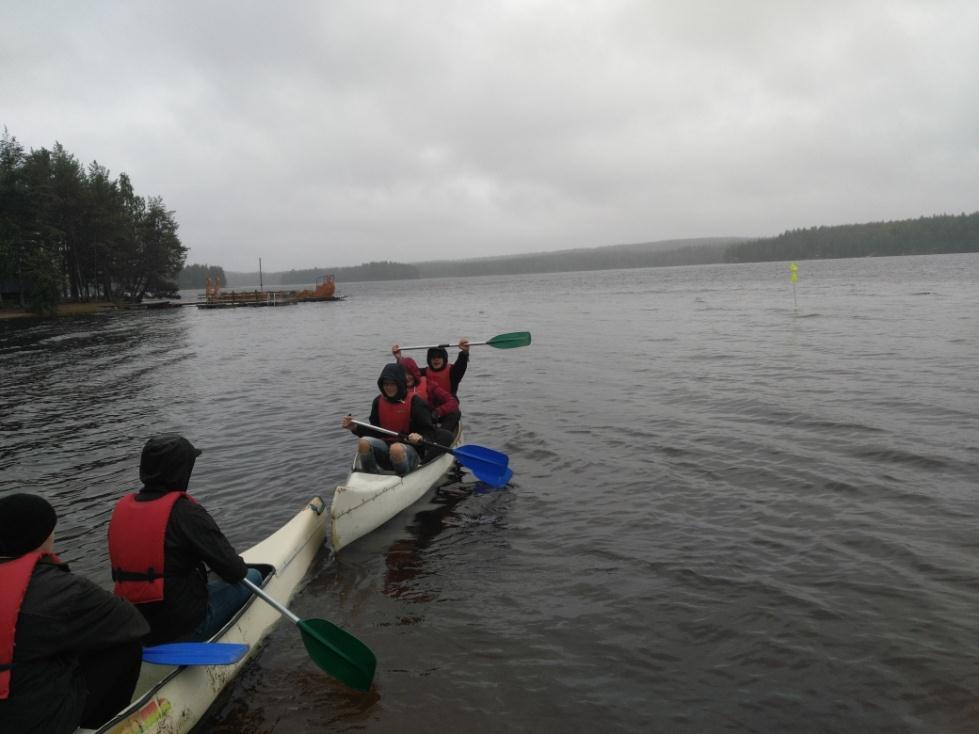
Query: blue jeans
{"points": [[223, 600], [380, 454]]}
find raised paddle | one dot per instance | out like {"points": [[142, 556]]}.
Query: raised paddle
{"points": [[334, 650], [501, 341], [488, 465], [195, 653]]}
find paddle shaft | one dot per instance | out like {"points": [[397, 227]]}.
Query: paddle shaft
{"points": [[260, 592], [372, 427], [500, 341], [441, 346], [489, 466]]}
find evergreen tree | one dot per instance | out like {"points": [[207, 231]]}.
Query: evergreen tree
{"points": [[69, 232]]}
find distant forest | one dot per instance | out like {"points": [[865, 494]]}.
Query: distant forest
{"points": [[923, 236]]}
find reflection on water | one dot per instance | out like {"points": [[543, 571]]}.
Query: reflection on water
{"points": [[408, 577]]}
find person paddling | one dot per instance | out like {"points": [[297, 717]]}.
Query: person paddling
{"points": [[445, 407], [395, 410], [161, 543], [70, 651], [439, 370]]}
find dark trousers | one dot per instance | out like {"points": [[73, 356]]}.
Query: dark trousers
{"points": [[443, 438], [111, 676], [450, 423]]}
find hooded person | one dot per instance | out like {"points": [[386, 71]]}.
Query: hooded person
{"points": [[439, 370], [70, 651], [445, 407], [162, 543], [394, 410]]}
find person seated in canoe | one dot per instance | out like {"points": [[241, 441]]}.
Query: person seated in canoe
{"points": [[445, 407], [161, 543], [439, 370], [70, 651], [394, 410]]}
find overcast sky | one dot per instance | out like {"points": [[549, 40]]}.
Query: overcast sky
{"points": [[332, 132]]}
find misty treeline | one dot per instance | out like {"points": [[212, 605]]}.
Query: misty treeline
{"points": [[923, 236], [69, 232], [381, 270], [612, 257], [645, 255], [196, 276], [940, 234]]}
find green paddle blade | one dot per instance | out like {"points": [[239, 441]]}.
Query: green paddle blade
{"points": [[511, 340], [338, 653]]}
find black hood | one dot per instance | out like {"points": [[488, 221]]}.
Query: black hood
{"points": [[393, 372], [437, 352], [167, 463]]}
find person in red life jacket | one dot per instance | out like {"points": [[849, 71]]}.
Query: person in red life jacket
{"points": [[439, 370], [70, 651], [397, 411], [445, 407], [162, 543]]}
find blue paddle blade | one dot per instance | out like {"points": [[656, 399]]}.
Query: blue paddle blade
{"points": [[495, 476], [482, 455], [195, 653]]}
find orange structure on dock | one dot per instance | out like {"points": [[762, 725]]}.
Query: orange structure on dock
{"points": [[214, 297], [325, 288]]}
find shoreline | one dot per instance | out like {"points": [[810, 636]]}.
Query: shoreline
{"points": [[63, 309]]}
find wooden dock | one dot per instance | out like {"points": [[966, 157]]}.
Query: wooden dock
{"points": [[249, 299]]}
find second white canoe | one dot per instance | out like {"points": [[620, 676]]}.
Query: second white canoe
{"points": [[365, 501]]}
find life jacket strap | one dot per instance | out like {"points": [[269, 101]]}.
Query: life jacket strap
{"points": [[150, 574]]}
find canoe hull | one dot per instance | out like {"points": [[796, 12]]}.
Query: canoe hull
{"points": [[365, 501], [172, 700]]}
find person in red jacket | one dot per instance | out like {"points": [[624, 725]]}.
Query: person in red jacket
{"points": [[445, 407], [162, 543], [395, 410], [70, 651], [439, 370]]}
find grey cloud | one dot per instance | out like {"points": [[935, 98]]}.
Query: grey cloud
{"points": [[332, 133]]}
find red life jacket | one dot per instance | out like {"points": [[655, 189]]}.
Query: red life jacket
{"points": [[14, 577], [136, 538], [442, 378], [395, 416], [420, 388]]}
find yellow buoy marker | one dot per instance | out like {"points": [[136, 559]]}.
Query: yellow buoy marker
{"points": [[793, 277]]}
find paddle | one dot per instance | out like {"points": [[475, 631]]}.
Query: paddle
{"points": [[501, 341], [488, 465], [195, 653], [334, 650]]}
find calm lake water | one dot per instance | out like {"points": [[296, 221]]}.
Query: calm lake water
{"points": [[734, 508]]}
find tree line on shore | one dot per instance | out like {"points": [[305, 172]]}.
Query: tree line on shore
{"points": [[379, 270], [941, 234], [74, 233], [197, 276]]}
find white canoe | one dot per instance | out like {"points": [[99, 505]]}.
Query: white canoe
{"points": [[365, 501], [171, 699]]}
